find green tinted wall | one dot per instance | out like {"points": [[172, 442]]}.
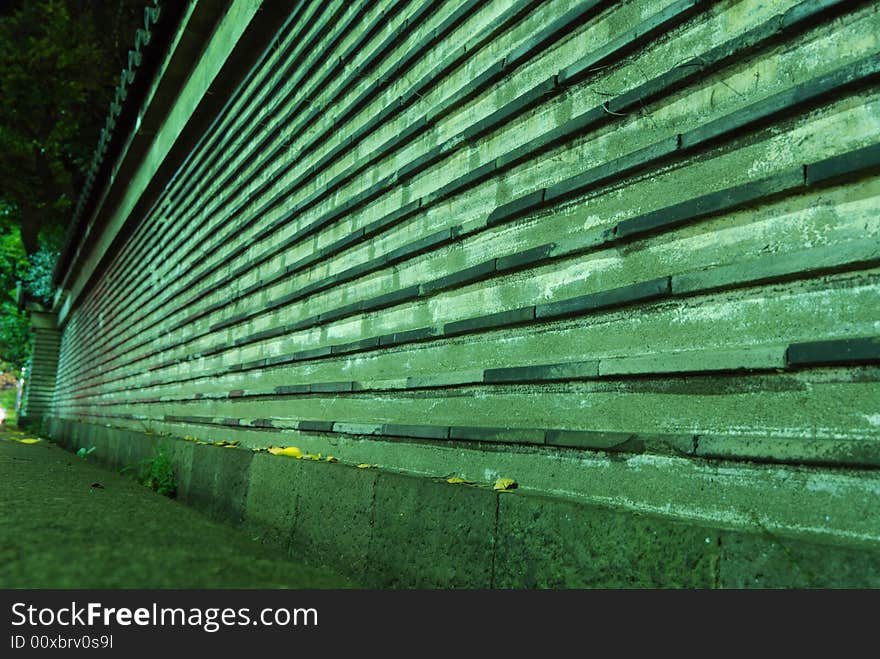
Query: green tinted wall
{"points": [[623, 252]]}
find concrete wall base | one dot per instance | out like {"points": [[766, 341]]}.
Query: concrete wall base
{"points": [[391, 530]]}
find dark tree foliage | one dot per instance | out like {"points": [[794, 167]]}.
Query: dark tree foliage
{"points": [[58, 68], [13, 264], [59, 64]]}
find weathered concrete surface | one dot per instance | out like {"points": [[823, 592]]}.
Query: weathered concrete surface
{"points": [[335, 516], [271, 506], [558, 544], [765, 560], [392, 530], [429, 534], [641, 217], [218, 482], [232, 262], [39, 386], [61, 530]]}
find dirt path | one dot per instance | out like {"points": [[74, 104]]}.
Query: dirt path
{"points": [[68, 523]]}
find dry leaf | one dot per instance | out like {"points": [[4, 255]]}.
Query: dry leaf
{"points": [[503, 484], [28, 440], [456, 480], [365, 465], [330, 458], [289, 451]]}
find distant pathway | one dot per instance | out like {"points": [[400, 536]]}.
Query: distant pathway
{"points": [[68, 523]]}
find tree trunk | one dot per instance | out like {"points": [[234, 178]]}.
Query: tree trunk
{"points": [[31, 223]]}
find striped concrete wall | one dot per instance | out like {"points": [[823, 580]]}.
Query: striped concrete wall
{"points": [[624, 252], [39, 386]]}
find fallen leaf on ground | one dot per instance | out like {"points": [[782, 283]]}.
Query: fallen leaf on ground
{"points": [[503, 484], [330, 458], [289, 451], [28, 440], [365, 465], [456, 480]]}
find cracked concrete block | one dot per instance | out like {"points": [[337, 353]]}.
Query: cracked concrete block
{"points": [[270, 505]]}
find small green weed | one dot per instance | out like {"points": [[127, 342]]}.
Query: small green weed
{"points": [[157, 473], [83, 452]]}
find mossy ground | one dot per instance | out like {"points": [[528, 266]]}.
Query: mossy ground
{"points": [[60, 530]]}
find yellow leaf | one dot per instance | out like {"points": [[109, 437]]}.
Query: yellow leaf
{"points": [[330, 458], [455, 480], [289, 451], [29, 440], [504, 484], [365, 465]]}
